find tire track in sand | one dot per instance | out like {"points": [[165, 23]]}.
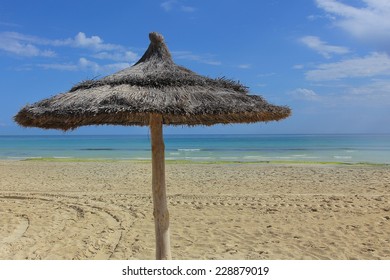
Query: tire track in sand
{"points": [[85, 229]]}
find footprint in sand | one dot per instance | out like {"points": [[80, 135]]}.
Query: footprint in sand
{"points": [[21, 228]]}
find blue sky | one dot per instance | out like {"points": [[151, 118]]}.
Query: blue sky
{"points": [[329, 60]]}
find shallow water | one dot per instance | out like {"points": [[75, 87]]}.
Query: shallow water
{"points": [[351, 148]]}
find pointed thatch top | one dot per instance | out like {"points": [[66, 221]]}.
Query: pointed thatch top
{"points": [[157, 49], [155, 84]]}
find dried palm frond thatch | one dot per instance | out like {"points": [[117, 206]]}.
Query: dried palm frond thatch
{"points": [[155, 84]]}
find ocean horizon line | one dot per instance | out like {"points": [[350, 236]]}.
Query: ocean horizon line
{"points": [[199, 134]]}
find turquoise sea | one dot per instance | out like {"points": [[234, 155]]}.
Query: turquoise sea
{"points": [[351, 148]]}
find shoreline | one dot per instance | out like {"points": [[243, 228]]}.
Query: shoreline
{"points": [[181, 161]]}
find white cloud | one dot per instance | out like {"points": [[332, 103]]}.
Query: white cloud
{"points": [[317, 17], [376, 91], [371, 22], [244, 66], [375, 64], [8, 24], [31, 46], [17, 44], [176, 4], [168, 5], [305, 94], [93, 42], [59, 66], [188, 9], [262, 75], [206, 58], [27, 45], [81, 40], [322, 47], [105, 51], [117, 56], [85, 65]]}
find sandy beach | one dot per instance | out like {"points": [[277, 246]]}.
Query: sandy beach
{"points": [[103, 210]]}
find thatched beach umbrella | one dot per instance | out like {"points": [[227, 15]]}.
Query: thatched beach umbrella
{"points": [[153, 92]]}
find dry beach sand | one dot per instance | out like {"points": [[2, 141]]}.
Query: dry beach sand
{"points": [[103, 210]]}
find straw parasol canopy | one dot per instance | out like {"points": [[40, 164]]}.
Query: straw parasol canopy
{"points": [[153, 92]]}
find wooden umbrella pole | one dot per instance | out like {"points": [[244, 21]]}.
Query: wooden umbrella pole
{"points": [[160, 212]]}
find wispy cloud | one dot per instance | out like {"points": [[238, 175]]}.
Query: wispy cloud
{"points": [[262, 75], [368, 22], [298, 66], [318, 17], [187, 9], [94, 43], [204, 58], [244, 66], [21, 45], [171, 5], [354, 80], [305, 94], [321, 47], [168, 5], [102, 56], [375, 91], [117, 56], [57, 66], [85, 65], [375, 64], [3, 124], [111, 56], [9, 24]]}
